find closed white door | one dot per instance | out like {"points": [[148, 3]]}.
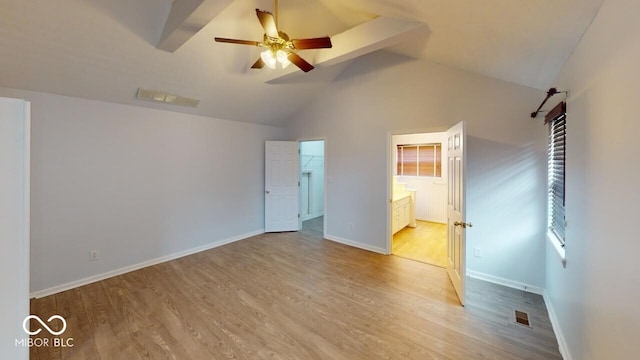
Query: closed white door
{"points": [[456, 226], [281, 194]]}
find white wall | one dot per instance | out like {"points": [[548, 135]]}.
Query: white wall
{"points": [[383, 93], [14, 226], [312, 158], [596, 298], [431, 192], [135, 184]]}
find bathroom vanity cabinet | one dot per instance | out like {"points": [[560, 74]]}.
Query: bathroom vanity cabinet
{"points": [[403, 207]]}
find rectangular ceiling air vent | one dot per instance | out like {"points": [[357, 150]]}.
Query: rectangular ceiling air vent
{"points": [[522, 318], [162, 97]]}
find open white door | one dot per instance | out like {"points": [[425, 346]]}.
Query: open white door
{"points": [[281, 186], [456, 244]]}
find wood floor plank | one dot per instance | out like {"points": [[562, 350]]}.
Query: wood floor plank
{"points": [[295, 296]]}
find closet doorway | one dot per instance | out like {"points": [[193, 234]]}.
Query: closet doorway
{"points": [[419, 197], [312, 192]]}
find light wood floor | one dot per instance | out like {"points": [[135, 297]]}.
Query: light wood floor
{"points": [[294, 296], [427, 242]]}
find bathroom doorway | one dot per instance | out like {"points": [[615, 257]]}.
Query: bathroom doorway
{"points": [[312, 192], [419, 197]]}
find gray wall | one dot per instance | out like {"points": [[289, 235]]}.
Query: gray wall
{"points": [[135, 184], [383, 93], [595, 299]]}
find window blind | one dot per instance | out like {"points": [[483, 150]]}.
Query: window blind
{"points": [[556, 173], [419, 160]]}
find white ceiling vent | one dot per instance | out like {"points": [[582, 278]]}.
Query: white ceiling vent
{"points": [[161, 97]]}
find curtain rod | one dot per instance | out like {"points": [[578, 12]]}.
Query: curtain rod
{"points": [[550, 93]]}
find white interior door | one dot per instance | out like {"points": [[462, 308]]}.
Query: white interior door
{"points": [[456, 245], [281, 194]]}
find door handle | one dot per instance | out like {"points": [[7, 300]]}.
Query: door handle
{"points": [[464, 225], [266, 191]]}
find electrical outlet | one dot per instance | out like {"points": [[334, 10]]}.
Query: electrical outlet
{"points": [[93, 255], [477, 252]]}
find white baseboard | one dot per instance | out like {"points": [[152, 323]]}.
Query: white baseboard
{"points": [[506, 282], [91, 279], [356, 244], [562, 343], [437, 221]]}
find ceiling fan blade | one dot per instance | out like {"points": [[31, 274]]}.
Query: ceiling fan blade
{"points": [[258, 64], [236, 41], [300, 62], [268, 23], [313, 43]]}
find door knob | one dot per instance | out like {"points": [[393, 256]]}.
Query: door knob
{"points": [[463, 224], [266, 191]]}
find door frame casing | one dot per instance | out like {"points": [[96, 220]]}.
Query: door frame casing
{"points": [[389, 177], [390, 171]]}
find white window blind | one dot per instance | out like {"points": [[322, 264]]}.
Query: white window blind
{"points": [[556, 172]]}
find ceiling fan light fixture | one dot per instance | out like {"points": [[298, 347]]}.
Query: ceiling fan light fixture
{"points": [[283, 58], [272, 57], [268, 58]]}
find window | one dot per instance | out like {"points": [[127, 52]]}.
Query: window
{"points": [[556, 172], [420, 160]]}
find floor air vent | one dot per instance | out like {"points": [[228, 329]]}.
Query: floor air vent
{"points": [[522, 318]]}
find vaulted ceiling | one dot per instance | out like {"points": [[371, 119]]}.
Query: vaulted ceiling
{"points": [[107, 49]]}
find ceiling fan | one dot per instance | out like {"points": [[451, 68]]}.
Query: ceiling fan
{"points": [[279, 48]]}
